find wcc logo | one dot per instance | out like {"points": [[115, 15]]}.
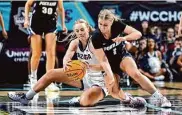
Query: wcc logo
{"points": [[19, 19]]}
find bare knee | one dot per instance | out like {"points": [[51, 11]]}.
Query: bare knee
{"points": [[50, 52], [91, 96], [50, 75], [36, 54], [85, 101]]}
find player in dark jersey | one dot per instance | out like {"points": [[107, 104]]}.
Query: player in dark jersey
{"points": [[43, 23], [110, 50]]}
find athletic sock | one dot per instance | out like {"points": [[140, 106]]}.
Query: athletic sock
{"points": [[34, 73], [157, 95], [30, 94]]}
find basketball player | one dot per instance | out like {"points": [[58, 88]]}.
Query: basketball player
{"points": [[93, 82], [113, 57], [43, 23]]}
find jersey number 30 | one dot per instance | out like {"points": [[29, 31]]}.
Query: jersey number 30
{"points": [[46, 10]]}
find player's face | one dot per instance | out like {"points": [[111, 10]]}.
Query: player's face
{"points": [[104, 25], [81, 31]]}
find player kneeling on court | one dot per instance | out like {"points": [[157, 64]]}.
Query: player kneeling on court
{"points": [[72, 72]]}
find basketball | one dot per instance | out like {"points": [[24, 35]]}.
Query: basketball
{"points": [[76, 70]]}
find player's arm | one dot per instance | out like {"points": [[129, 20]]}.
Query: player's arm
{"points": [[101, 57], [5, 35], [96, 67], [70, 52], [133, 34], [27, 10], [62, 14]]}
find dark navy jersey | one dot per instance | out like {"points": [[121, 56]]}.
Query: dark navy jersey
{"points": [[113, 50], [45, 9]]}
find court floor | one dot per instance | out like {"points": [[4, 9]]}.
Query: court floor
{"points": [[53, 103]]}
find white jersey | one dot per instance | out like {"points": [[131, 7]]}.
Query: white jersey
{"points": [[86, 54], [92, 77]]}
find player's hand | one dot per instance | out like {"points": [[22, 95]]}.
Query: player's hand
{"points": [[119, 39], [26, 24], [86, 64], [66, 65], [65, 30], [110, 81], [4, 33]]}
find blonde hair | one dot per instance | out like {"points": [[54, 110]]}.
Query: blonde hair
{"points": [[72, 35], [107, 14]]}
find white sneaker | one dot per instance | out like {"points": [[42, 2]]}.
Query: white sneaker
{"points": [[52, 88], [161, 102], [160, 77], [74, 100]]}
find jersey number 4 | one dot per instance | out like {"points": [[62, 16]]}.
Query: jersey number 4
{"points": [[46, 10]]}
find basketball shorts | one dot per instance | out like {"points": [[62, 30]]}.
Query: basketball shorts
{"points": [[42, 27], [95, 79]]}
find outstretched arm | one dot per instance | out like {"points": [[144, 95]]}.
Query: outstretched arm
{"points": [[132, 34]]}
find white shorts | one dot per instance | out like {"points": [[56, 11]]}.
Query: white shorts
{"points": [[95, 79]]}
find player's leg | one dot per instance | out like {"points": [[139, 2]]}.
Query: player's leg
{"points": [[50, 39], [54, 75], [129, 66], [125, 98], [92, 96], [36, 49]]}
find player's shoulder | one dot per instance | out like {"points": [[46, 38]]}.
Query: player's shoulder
{"points": [[96, 34], [75, 41]]}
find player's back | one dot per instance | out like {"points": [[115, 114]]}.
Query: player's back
{"points": [[45, 9]]}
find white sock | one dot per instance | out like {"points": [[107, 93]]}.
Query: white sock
{"points": [[157, 94], [34, 73], [30, 94], [126, 97]]}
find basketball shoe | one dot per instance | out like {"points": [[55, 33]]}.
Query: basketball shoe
{"points": [[51, 88], [160, 102], [19, 97], [134, 101]]}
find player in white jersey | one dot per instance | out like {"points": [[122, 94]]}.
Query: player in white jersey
{"points": [[93, 77], [93, 82]]}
